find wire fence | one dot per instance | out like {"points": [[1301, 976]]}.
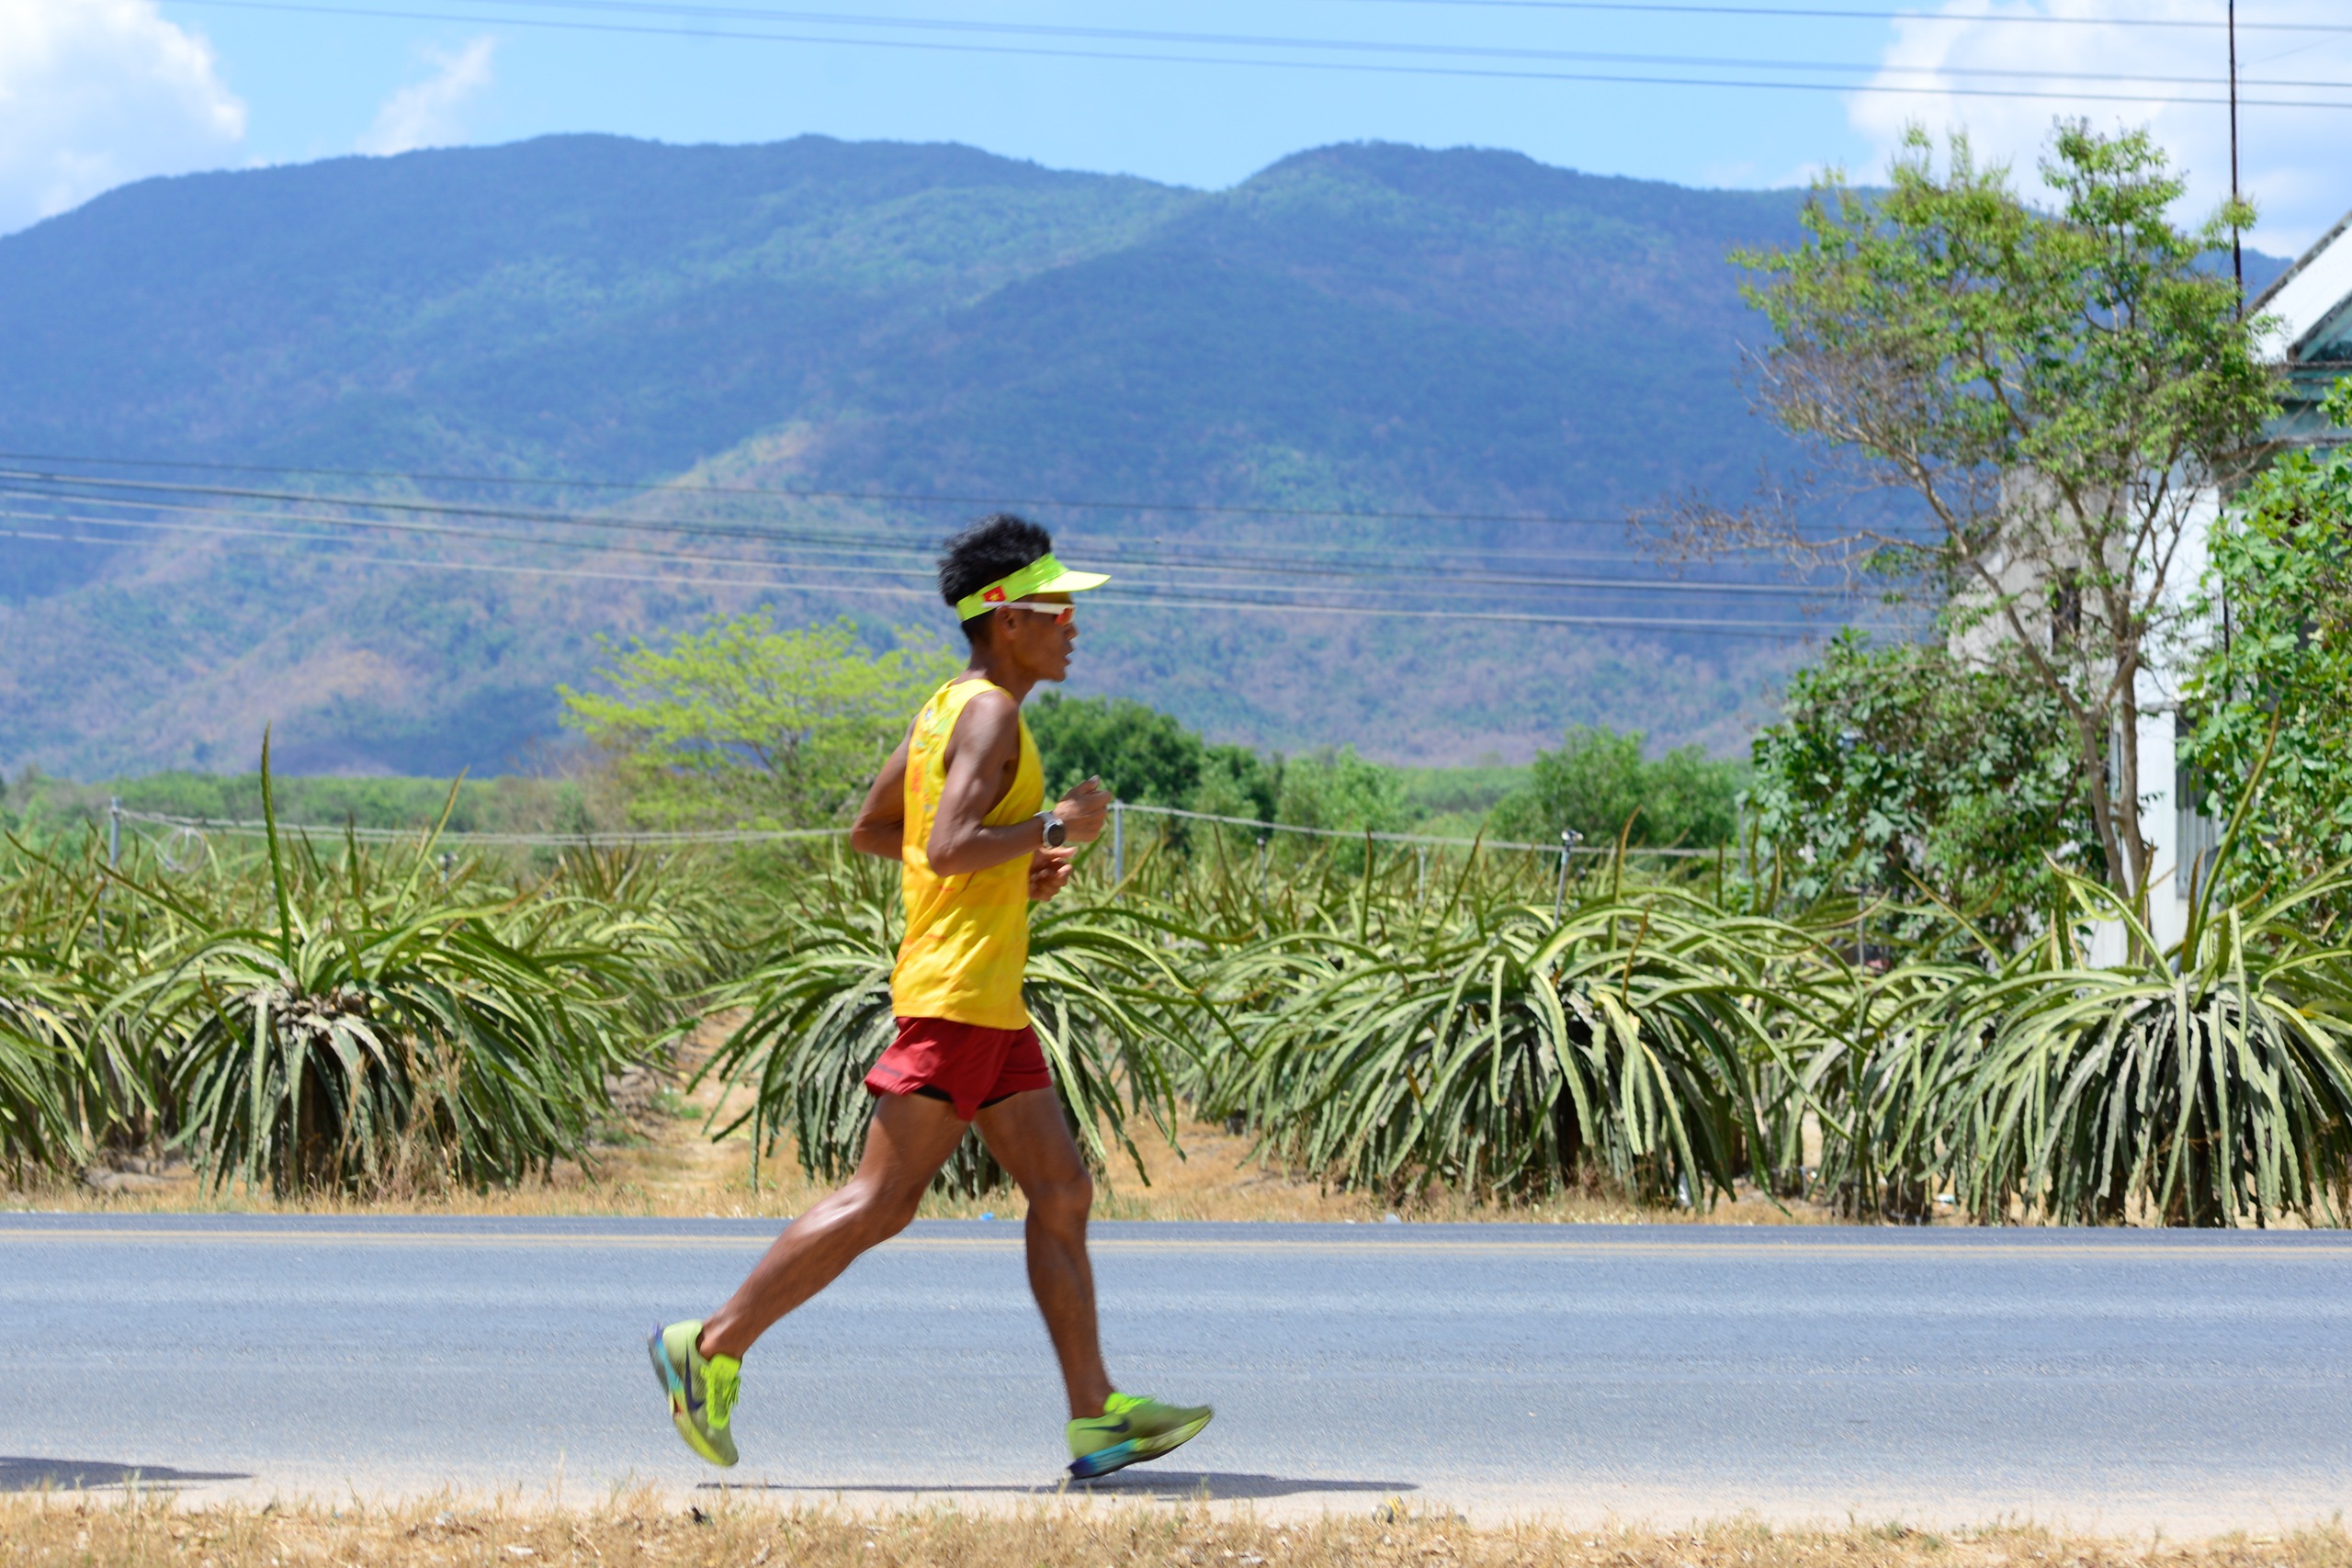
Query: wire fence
{"points": [[183, 845], [236, 829], [1574, 843], [1119, 810]]}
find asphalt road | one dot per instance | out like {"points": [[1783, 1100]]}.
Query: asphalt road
{"points": [[2110, 1378]]}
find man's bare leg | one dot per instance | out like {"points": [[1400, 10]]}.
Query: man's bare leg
{"points": [[1029, 1138], [911, 1138]]}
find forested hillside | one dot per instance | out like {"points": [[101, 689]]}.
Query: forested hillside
{"points": [[1365, 328]]}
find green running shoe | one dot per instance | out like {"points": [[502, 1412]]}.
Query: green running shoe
{"points": [[1130, 1429], [702, 1392]]}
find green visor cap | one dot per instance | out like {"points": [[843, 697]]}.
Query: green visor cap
{"points": [[1044, 575]]}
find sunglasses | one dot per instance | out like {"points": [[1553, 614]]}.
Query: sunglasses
{"points": [[1063, 615]]}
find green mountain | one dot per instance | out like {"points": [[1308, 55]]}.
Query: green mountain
{"points": [[1366, 328]]}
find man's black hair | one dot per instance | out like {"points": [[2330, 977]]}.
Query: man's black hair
{"points": [[995, 547]]}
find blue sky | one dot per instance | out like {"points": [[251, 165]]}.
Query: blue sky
{"points": [[316, 84], [99, 91]]}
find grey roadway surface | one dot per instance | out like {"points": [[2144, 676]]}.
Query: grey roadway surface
{"points": [[2107, 1377]]}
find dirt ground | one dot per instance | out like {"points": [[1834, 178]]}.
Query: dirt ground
{"points": [[660, 1159], [43, 1530]]}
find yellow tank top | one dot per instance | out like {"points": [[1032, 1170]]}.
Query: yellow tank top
{"points": [[968, 937]]}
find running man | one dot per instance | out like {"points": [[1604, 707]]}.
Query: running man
{"points": [[958, 806]]}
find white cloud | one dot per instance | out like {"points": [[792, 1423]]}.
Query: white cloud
{"points": [[97, 92], [425, 114], [2292, 160]]}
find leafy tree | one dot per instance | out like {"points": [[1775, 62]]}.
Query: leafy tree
{"points": [[1598, 784], [1341, 790], [1150, 758], [2057, 388], [1140, 754], [1902, 769], [2281, 561], [1237, 782], [747, 722]]}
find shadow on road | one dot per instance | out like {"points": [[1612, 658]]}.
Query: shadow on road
{"points": [[1164, 1486], [19, 1473], [1177, 1485]]}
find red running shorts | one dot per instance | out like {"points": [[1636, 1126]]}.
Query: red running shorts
{"points": [[963, 1064]]}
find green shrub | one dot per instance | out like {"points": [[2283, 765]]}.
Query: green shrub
{"points": [[1599, 785], [1339, 790], [1900, 770], [377, 1026], [1504, 1057], [1110, 1011], [2211, 1088], [1140, 754], [333, 1017]]}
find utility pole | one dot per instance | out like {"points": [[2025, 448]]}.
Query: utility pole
{"points": [[2237, 251]]}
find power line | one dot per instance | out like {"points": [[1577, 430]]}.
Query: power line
{"points": [[1038, 52], [860, 546], [1775, 631], [902, 498], [863, 540], [283, 537], [1656, 8], [1222, 557], [861, 553], [1452, 581], [1368, 46], [422, 529]]}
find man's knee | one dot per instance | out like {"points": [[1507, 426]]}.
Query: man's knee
{"points": [[1065, 1200], [883, 1210]]}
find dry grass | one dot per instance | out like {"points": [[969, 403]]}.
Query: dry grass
{"points": [[675, 1172], [664, 1164], [53, 1530], [676, 1175]]}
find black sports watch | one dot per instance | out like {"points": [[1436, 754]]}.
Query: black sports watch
{"points": [[1056, 835]]}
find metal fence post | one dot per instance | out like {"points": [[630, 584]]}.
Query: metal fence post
{"points": [[1118, 843], [114, 853], [1261, 865], [1569, 836]]}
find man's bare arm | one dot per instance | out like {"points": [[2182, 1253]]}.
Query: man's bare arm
{"points": [[880, 827], [981, 757]]}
